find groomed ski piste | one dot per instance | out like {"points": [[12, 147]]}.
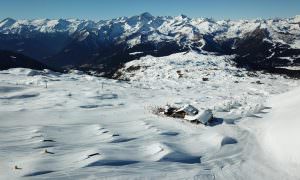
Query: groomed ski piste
{"points": [[77, 126]]}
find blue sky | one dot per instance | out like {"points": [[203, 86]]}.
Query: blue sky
{"points": [[106, 9]]}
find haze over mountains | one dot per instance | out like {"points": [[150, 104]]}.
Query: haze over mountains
{"points": [[106, 45]]}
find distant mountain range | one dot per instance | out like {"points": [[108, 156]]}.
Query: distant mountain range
{"points": [[106, 45]]}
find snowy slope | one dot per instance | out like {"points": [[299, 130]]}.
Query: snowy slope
{"points": [[281, 132], [99, 128]]}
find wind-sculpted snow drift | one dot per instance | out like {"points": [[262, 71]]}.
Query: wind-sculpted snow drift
{"points": [[281, 132], [104, 46]]}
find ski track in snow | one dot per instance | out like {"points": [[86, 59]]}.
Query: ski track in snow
{"points": [[99, 128]]}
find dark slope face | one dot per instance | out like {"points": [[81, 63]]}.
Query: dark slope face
{"points": [[36, 45], [14, 60], [257, 52], [108, 57], [105, 46]]}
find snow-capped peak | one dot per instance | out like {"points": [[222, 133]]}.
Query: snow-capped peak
{"points": [[181, 17], [297, 19], [7, 22], [146, 15]]}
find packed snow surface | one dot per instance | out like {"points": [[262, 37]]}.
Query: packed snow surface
{"points": [[281, 131], [76, 126]]}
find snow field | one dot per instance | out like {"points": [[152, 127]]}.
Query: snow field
{"points": [[87, 127]]}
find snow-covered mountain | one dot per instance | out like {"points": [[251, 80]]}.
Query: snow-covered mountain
{"points": [[106, 45]]}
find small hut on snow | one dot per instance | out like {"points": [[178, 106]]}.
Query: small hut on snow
{"points": [[190, 113]]}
